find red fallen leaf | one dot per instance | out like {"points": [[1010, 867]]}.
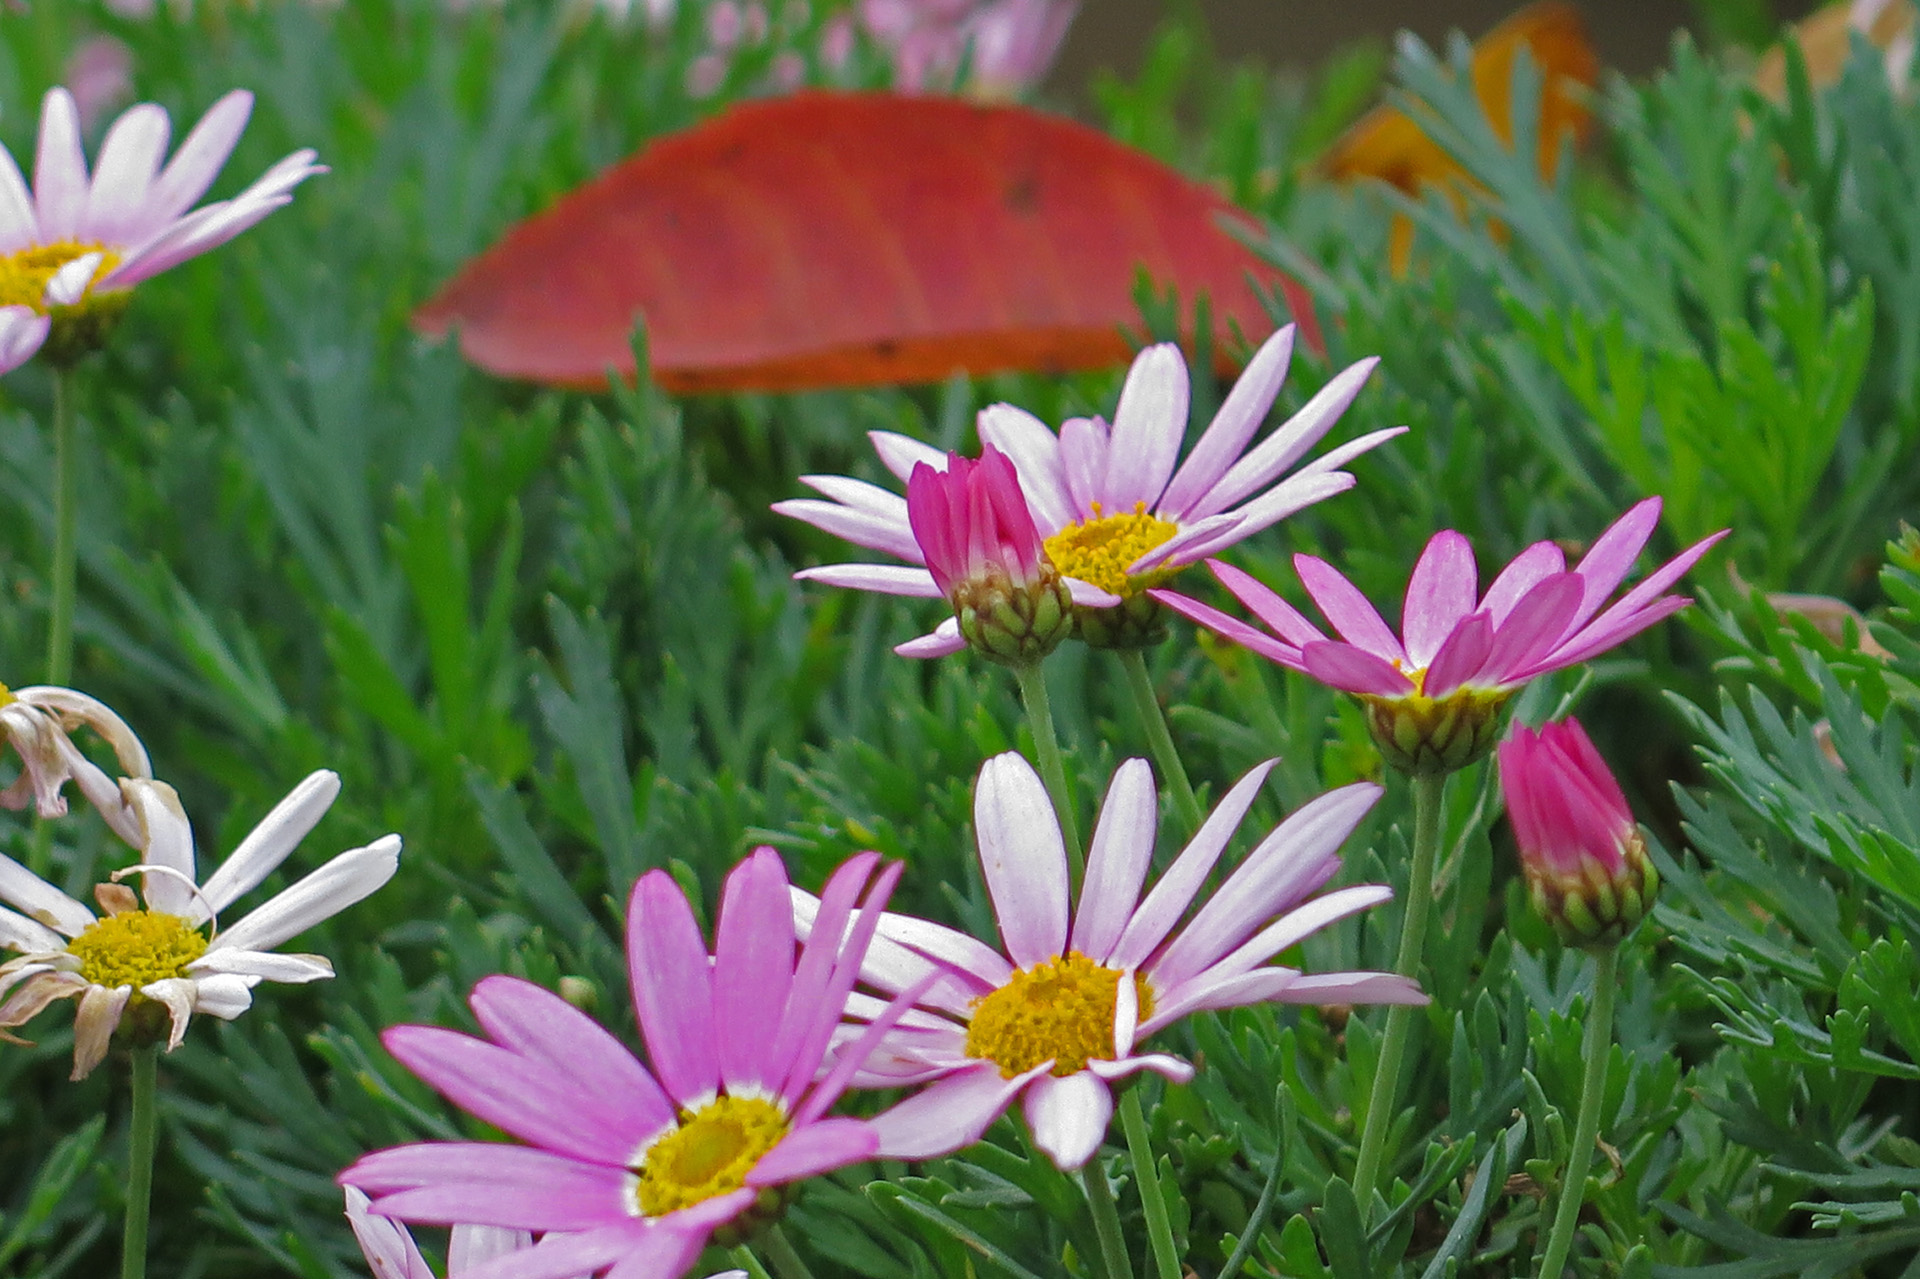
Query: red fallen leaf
{"points": [[832, 239]]}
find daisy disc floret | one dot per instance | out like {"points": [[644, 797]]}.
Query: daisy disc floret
{"points": [[151, 966], [73, 245], [1587, 869], [1434, 693], [1059, 1017], [1114, 513], [634, 1167]]}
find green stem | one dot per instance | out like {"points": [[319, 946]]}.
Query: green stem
{"points": [[1166, 1258], [141, 1139], [1586, 1128], [1413, 935], [1106, 1220], [780, 1254], [1148, 704], [1033, 691], [65, 501], [743, 1258]]}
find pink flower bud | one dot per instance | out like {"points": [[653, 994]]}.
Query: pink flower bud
{"points": [[1586, 865], [973, 526]]}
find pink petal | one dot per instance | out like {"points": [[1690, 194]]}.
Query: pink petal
{"points": [[887, 579], [1035, 452], [1281, 617], [1355, 988], [1461, 658], [820, 1146], [901, 453], [1083, 463], [1290, 930], [19, 224], [202, 154], [1295, 493], [575, 1256], [1533, 628], [545, 1029], [1213, 991], [874, 531], [1170, 897], [59, 168], [1068, 1117], [1442, 590], [1612, 555], [1239, 416], [1180, 548], [752, 967], [1022, 858], [1293, 860], [949, 1114], [1117, 860], [525, 1189], [1148, 425], [1352, 616], [1527, 569], [1353, 670], [1288, 444], [813, 977], [564, 1113], [944, 641], [1229, 628], [672, 990], [810, 1053], [129, 159]]}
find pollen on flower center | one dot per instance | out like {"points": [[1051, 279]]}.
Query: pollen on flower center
{"points": [[1098, 550], [6, 696], [137, 947], [709, 1153], [1061, 1009], [24, 274], [1418, 675]]}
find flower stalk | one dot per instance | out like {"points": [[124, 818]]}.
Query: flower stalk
{"points": [[1159, 739], [1166, 1256], [1428, 790], [785, 1261], [66, 498], [1053, 770], [142, 1137], [1586, 1126]]}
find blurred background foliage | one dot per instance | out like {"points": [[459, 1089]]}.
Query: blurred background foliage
{"points": [[551, 638]]}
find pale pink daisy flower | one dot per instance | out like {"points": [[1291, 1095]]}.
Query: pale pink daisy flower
{"points": [[392, 1254], [1114, 514], [1060, 1017], [1007, 45], [1434, 692], [156, 963], [630, 1168], [73, 245]]}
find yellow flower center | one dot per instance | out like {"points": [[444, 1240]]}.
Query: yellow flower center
{"points": [[710, 1153], [6, 696], [24, 274], [137, 947], [1061, 1009], [1098, 550], [1418, 676]]}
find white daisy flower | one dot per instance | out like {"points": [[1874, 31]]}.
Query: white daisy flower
{"points": [[73, 245], [36, 722], [170, 959]]}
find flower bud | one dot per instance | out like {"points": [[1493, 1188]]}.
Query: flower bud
{"points": [[1422, 736], [972, 524], [1587, 868]]}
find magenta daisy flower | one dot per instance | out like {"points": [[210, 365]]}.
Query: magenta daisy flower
{"points": [[1115, 515], [1060, 1016], [1434, 692], [634, 1168], [71, 247], [1587, 868]]}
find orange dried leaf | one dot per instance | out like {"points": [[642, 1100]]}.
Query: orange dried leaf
{"points": [[1826, 38], [831, 239]]}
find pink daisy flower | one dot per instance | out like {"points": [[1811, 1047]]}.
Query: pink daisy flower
{"points": [[72, 247], [634, 1168], [1434, 692], [1058, 1018], [1114, 514]]}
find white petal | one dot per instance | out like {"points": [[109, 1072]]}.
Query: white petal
{"points": [[179, 994], [168, 843], [1286, 445], [388, 1248], [129, 158], [887, 579], [1148, 425], [293, 969], [328, 891], [473, 1245], [1035, 454], [28, 935], [901, 453], [40, 900], [23, 331], [1069, 1117], [59, 168], [69, 284], [223, 995], [93, 1026], [19, 224], [944, 641], [202, 154], [1117, 860], [1022, 857], [269, 843]]}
